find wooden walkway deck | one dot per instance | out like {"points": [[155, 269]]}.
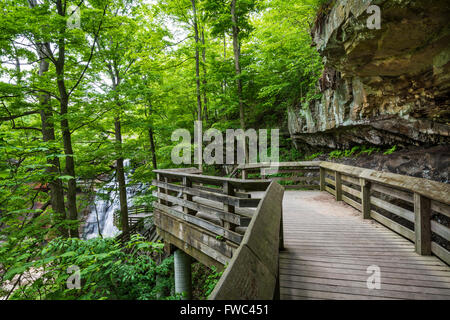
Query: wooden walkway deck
{"points": [[328, 248]]}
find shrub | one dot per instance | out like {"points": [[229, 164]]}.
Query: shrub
{"points": [[108, 270]]}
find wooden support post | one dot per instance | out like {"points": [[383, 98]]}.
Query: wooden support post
{"points": [[166, 191], [276, 292], [228, 190], [365, 198], [422, 225], [161, 190], [183, 282], [187, 183], [244, 174], [322, 179], [281, 244], [168, 248], [338, 185]]}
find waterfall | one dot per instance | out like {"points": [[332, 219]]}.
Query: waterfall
{"points": [[105, 204]]}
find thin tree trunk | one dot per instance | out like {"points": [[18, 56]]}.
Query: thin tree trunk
{"points": [[120, 174], [197, 63], [237, 65], [152, 147], [120, 171], [205, 82], [69, 168], [151, 135], [197, 71], [224, 60]]}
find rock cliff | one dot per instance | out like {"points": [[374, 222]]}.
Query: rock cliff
{"points": [[380, 86]]}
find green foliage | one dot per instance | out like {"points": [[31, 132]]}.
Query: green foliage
{"points": [[390, 150], [289, 154], [125, 66], [353, 152], [107, 271], [313, 156], [204, 280]]}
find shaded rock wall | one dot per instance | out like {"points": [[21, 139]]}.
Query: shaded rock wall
{"points": [[380, 87], [429, 163]]}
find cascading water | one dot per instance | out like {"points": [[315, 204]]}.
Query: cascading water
{"points": [[101, 217]]}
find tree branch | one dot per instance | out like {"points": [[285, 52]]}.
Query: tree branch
{"points": [[91, 54], [11, 117]]}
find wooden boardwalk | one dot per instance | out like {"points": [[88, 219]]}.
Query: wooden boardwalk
{"points": [[328, 248]]}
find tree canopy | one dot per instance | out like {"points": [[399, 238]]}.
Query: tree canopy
{"points": [[85, 85]]}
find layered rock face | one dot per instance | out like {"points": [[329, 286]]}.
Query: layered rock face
{"points": [[380, 86]]}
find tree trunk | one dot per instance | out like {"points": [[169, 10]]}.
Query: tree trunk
{"points": [[65, 128], [237, 65], [205, 82], [48, 134], [70, 167], [120, 174], [224, 60], [152, 147], [197, 73], [151, 136], [197, 64]]}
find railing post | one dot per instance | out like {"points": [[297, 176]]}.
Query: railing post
{"points": [[338, 185], [187, 183], [322, 178], [422, 225], [243, 174], [228, 190], [160, 190], [166, 191], [365, 198]]}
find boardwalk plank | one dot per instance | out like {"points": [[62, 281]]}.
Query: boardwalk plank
{"points": [[329, 247]]}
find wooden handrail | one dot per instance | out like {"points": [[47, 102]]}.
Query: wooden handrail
{"points": [[356, 186], [278, 164], [249, 241], [434, 190], [252, 273], [249, 185], [207, 223], [303, 174], [415, 200], [132, 212]]}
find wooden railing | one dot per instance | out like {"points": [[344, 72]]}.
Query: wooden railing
{"points": [[135, 214], [205, 216], [292, 175], [418, 209], [140, 221], [412, 207], [216, 221], [252, 273]]}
